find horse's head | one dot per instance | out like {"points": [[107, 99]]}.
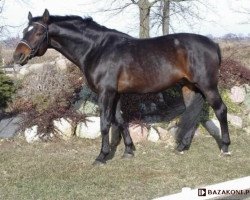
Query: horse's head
{"points": [[35, 39]]}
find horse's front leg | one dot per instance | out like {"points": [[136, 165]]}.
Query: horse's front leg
{"points": [[123, 126], [107, 108]]}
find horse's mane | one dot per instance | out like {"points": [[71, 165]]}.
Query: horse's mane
{"points": [[87, 21], [57, 18]]}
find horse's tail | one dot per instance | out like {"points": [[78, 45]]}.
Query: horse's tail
{"points": [[188, 122], [219, 53]]}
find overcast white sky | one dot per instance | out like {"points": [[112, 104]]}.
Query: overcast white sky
{"points": [[219, 18]]}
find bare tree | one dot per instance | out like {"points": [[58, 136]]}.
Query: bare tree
{"points": [[184, 11], [165, 16], [118, 6], [157, 13], [144, 13], [2, 2], [4, 27]]}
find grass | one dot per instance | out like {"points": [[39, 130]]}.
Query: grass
{"points": [[63, 170]]}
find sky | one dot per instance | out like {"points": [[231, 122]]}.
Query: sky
{"points": [[218, 17]]}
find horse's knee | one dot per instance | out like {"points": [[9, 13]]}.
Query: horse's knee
{"points": [[105, 128], [106, 121]]}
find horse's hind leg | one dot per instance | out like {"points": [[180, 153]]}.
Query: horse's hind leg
{"points": [[189, 119], [123, 129], [214, 99]]}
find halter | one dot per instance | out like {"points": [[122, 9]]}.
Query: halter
{"points": [[33, 49]]}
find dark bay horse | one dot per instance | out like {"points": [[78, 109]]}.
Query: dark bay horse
{"points": [[116, 63]]}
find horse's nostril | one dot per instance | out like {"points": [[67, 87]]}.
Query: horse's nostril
{"points": [[22, 56], [18, 57]]}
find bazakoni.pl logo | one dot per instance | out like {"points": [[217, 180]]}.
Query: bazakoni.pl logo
{"points": [[205, 192], [202, 192]]}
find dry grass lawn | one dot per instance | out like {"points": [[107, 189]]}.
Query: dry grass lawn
{"points": [[63, 170]]}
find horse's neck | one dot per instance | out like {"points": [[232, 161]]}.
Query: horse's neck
{"points": [[75, 47]]}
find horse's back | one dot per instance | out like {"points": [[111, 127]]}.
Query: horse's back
{"points": [[152, 65]]}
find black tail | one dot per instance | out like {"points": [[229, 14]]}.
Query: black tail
{"points": [[189, 122]]}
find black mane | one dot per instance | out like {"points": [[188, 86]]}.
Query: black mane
{"points": [[87, 21], [57, 18]]}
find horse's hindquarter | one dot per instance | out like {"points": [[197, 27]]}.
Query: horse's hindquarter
{"points": [[152, 65]]}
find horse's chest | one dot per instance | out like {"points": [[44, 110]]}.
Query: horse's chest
{"points": [[91, 80]]}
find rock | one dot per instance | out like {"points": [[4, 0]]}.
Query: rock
{"points": [[235, 120], [90, 129], [35, 67], [247, 98], [61, 64], [153, 107], [161, 98], [31, 134], [213, 127], [153, 135], [29, 68], [197, 132], [247, 129], [166, 136], [172, 124], [64, 128], [142, 107], [138, 133], [87, 107], [248, 118], [173, 130], [237, 94], [9, 127], [87, 103], [23, 71]]}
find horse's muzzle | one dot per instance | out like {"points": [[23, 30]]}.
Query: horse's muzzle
{"points": [[21, 54], [20, 58]]}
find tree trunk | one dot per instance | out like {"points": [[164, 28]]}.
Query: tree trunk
{"points": [[166, 17], [144, 8]]}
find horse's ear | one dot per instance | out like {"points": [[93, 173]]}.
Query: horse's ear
{"points": [[46, 15], [29, 16]]}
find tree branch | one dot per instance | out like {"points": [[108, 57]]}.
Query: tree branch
{"points": [[154, 2]]}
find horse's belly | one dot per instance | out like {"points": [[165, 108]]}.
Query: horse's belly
{"points": [[146, 83]]}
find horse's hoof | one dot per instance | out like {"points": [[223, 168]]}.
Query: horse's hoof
{"points": [[177, 152], [99, 163], [225, 154], [127, 156]]}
